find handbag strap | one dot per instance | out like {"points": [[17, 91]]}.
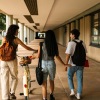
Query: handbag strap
{"points": [[40, 58]]}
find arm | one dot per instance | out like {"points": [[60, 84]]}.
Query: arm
{"points": [[23, 45], [67, 59], [60, 60], [66, 63], [36, 55], [68, 53]]}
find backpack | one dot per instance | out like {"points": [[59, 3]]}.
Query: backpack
{"points": [[7, 52], [79, 56]]}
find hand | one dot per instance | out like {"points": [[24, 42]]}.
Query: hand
{"points": [[32, 57], [65, 68], [35, 51]]}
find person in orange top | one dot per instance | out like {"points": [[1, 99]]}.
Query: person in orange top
{"points": [[11, 66]]}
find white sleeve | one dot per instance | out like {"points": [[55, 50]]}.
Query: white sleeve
{"points": [[69, 48]]}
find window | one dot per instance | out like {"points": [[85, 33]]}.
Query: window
{"points": [[95, 34], [40, 35]]}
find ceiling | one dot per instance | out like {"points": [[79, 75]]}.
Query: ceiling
{"points": [[45, 14]]}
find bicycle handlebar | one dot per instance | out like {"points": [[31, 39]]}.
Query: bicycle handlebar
{"points": [[25, 60]]}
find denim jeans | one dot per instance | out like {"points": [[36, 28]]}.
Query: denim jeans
{"points": [[79, 75], [49, 69]]}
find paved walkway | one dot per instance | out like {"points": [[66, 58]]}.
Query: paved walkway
{"points": [[91, 88]]}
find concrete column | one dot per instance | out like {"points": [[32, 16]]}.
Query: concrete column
{"points": [[21, 31], [15, 21], [28, 35], [25, 34], [9, 21], [32, 35]]}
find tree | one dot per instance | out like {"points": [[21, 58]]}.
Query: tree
{"points": [[2, 22]]}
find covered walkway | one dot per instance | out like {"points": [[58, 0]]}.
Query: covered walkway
{"points": [[91, 88]]}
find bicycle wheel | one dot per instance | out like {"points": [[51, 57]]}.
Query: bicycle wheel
{"points": [[25, 87], [29, 85], [26, 98], [29, 82]]}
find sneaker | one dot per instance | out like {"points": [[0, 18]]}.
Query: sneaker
{"points": [[12, 96], [72, 94], [77, 97], [52, 97]]}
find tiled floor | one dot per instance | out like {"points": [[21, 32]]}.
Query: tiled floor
{"points": [[91, 86]]}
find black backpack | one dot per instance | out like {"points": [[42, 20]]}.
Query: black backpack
{"points": [[79, 55]]}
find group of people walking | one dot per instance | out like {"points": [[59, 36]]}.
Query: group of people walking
{"points": [[49, 53]]}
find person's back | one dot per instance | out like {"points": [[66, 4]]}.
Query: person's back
{"points": [[10, 65], [72, 61], [49, 51], [71, 50], [8, 51], [79, 56], [45, 54]]}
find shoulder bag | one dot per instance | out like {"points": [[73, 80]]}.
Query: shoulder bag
{"points": [[39, 72]]}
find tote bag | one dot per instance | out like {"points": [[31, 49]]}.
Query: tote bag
{"points": [[39, 72]]}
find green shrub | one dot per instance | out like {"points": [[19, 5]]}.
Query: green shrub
{"points": [[0, 42]]}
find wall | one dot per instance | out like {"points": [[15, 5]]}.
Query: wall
{"points": [[59, 35], [85, 33], [93, 52]]}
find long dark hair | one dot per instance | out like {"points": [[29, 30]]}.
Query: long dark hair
{"points": [[10, 36], [51, 44]]}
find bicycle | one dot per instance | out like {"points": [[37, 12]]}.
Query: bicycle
{"points": [[26, 77]]}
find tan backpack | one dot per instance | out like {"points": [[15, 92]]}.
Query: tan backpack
{"points": [[7, 52]]}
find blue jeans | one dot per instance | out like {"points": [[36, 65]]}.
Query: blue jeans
{"points": [[79, 75]]}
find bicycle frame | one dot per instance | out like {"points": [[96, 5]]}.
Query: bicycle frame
{"points": [[26, 81], [26, 78]]}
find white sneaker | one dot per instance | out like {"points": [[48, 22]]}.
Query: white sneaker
{"points": [[72, 94], [78, 96]]}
